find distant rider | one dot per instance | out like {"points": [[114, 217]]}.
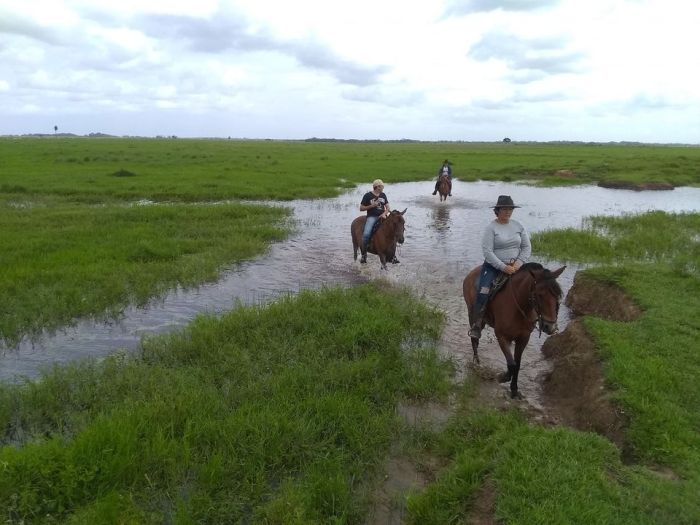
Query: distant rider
{"points": [[445, 169]]}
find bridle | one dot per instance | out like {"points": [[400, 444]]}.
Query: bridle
{"points": [[533, 304]]}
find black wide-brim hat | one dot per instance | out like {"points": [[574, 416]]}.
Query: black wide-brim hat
{"points": [[505, 201]]}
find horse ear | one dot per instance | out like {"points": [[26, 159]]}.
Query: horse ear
{"points": [[404, 211], [558, 272]]}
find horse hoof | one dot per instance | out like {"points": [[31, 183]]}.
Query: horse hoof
{"points": [[515, 394], [395, 261], [504, 377], [363, 260]]}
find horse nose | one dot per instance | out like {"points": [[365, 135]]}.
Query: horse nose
{"points": [[550, 328]]}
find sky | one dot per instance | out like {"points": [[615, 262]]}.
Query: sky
{"points": [[431, 70]]}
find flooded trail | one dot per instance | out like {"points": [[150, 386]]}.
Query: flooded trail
{"points": [[442, 245]]}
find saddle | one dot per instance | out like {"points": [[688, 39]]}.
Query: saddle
{"points": [[496, 286], [498, 283]]}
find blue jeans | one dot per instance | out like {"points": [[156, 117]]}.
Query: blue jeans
{"points": [[371, 219], [486, 278]]}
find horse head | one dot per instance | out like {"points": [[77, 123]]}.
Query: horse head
{"points": [[397, 222], [545, 296]]}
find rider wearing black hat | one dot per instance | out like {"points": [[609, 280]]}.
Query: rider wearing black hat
{"points": [[506, 247]]}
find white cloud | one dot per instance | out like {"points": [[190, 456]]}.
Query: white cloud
{"points": [[458, 70]]}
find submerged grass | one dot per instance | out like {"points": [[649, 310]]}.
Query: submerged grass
{"points": [[63, 260], [274, 414]]}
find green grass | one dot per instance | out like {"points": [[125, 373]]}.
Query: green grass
{"points": [[649, 237], [193, 170], [284, 413], [271, 414], [63, 260], [544, 476]]}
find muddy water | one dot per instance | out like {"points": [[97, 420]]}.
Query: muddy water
{"points": [[442, 244]]}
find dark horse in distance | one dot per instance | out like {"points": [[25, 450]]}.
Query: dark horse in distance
{"points": [[383, 241], [530, 297], [444, 187]]}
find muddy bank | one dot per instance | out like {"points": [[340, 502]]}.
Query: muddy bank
{"points": [[647, 186], [575, 391]]}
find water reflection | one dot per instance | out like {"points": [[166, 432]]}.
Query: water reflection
{"points": [[442, 245], [441, 218]]}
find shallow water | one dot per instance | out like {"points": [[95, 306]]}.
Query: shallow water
{"points": [[442, 245]]}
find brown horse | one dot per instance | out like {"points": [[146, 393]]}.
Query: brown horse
{"points": [[383, 242], [444, 187], [528, 298]]}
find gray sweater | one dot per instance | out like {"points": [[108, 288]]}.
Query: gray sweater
{"points": [[503, 242]]}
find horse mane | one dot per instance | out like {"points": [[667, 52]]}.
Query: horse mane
{"points": [[546, 278]]}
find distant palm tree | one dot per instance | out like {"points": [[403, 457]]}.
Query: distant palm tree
{"points": [[55, 129]]}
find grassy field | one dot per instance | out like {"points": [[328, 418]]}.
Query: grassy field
{"points": [[74, 243], [196, 170], [283, 414]]}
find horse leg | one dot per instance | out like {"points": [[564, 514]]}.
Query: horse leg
{"points": [[509, 374], [519, 347], [475, 349]]}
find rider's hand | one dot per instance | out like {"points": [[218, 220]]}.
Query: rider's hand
{"points": [[509, 269]]}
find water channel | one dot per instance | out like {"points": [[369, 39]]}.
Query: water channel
{"points": [[442, 245]]}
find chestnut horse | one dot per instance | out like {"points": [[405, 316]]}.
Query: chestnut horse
{"points": [[383, 241], [444, 187], [528, 298]]}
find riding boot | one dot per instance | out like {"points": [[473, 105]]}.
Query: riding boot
{"points": [[436, 189], [475, 329], [479, 309]]}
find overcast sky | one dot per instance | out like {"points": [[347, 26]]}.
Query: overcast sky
{"points": [[473, 70]]}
